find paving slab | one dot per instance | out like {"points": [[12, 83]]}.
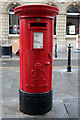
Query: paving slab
{"points": [[65, 84], [71, 106], [38, 119], [11, 109], [10, 76]]}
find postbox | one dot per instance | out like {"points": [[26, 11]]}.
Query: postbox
{"points": [[36, 57]]}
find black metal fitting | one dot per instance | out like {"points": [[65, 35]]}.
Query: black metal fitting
{"points": [[69, 59], [56, 50]]}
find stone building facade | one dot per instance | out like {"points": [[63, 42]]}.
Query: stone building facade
{"points": [[61, 38]]}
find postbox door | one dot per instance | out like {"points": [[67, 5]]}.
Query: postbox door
{"points": [[42, 64], [39, 61]]}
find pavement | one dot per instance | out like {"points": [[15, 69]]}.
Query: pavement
{"points": [[65, 89]]}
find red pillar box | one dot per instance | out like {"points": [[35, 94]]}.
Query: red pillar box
{"points": [[36, 55]]}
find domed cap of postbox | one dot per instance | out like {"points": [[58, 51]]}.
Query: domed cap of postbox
{"points": [[45, 11]]}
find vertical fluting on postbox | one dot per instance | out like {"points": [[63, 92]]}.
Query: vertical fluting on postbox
{"points": [[36, 57]]}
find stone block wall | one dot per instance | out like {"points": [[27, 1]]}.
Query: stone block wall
{"points": [[60, 38], [61, 31], [3, 26]]}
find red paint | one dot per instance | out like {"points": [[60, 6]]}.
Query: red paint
{"points": [[36, 63]]}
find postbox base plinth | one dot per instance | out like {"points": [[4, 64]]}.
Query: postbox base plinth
{"points": [[35, 103]]}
